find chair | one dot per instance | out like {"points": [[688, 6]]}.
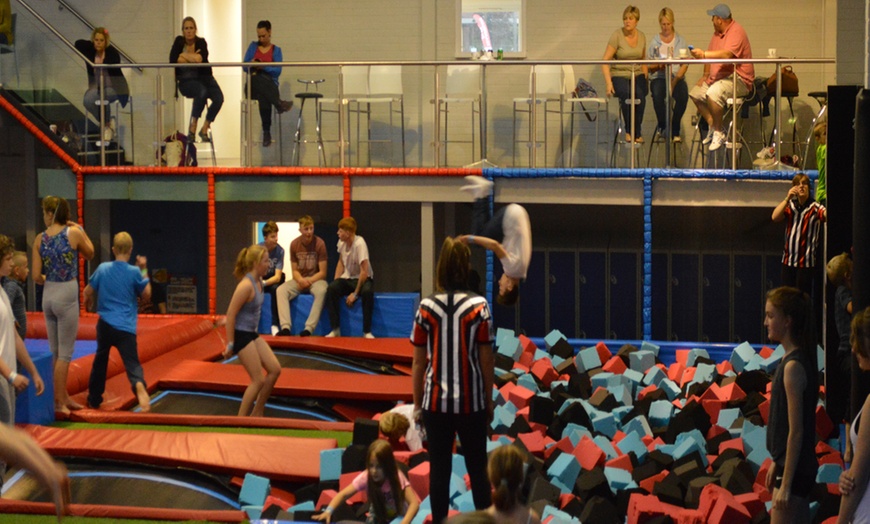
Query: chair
{"points": [[10, 48], [593, 109], [354, 86], [385, 87], [545, 86], [462, 87], [297, 137]]}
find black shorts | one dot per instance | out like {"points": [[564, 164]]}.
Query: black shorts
{"points": [[801, 486], [242, 339]]}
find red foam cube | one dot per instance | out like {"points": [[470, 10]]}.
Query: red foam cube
{"points": [[419, 479], [543, 371], [824, 426], [732, 392], [621, 462], [588, 453], [520, 396], [615, 365], [604, 353]]}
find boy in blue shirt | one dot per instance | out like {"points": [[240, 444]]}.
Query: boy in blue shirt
{"points": [[116, 286]]}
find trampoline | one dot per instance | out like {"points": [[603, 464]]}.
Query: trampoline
{"points": [[108, 482]]}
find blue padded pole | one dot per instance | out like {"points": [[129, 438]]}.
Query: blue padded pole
{"points": [[647, 255], [490, 259]]}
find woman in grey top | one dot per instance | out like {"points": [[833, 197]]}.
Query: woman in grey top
{"points": [[627, 43], [243, 316]]}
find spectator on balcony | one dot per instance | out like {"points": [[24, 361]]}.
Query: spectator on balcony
{"points": [[264, 79], [197, 83], [627, 43], [100, 51]]}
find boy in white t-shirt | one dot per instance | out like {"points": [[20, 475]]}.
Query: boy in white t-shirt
{"points": [[508, 234]]}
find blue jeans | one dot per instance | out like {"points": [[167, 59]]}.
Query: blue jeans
{"points": [[622, 86], [201, 90], [90, 101], [680, 96], [107, 336]]}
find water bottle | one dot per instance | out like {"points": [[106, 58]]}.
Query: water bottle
{"points": [[500, 54]]}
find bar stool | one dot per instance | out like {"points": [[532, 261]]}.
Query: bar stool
{"points": [[595, 109], [635, 148], [462, 87], [546, 81], [659, 140], [696, 146], [297, 139]]}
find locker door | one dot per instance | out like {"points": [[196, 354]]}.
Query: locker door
{"points": [[748, 299], [772, 271], [593, 292], [624, 310], [562, 292], [533, 296], [660, 313], [716, 312], [684, 297]]}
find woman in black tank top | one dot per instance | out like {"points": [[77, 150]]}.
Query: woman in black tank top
{"points": [[794, 392]]}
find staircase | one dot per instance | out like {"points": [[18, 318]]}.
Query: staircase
{"points": [[71, 129]]}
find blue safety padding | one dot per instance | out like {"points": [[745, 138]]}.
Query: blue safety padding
{"points": [[30, 408]]}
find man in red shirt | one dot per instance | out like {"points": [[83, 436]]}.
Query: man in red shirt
{"points": [[713, 90]]}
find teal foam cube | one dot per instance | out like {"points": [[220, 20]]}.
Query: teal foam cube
{"points": [[566, 468], [641, 360], [632, 442], [694, 354], [740, 356], [254, 491], [829, 474], [660, 413], [619, 479], [639, 425], [553, 337], [654, 376], [649, 346], [587, 359], [330, 463], [606, 446]]}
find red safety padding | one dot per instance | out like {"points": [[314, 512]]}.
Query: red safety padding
{"points": [[152, 343], [119, 394], [98, 416], [123, 512], [278, 458], [212, 376], [88, 324], [389, 349]]}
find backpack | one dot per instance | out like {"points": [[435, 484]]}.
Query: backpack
{"points": [[585, 90], [178, 152]]}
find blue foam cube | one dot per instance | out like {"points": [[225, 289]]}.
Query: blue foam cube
{"points": [[606, 446], [254, 491], [510, 347], [632, 442], [553, 337], [641, 360], [459, 468], [618, 479], [694, 354], [558, 516], [330, 463], [660, 413], [671, 389], [588, 359], [740, 356], [464, 502], [639, 425], [649, 346], [604, 423], [829, 474], [654, 376], [503, 335], [566, 468], [528, 381]]}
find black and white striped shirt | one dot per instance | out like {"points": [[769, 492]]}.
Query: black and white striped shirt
{"points": [[452, 326], [802, 233]]}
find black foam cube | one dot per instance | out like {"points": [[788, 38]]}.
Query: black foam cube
{"points": [[580, 385], [692, 416], [365, 431], [600, 510], [503, 362], [541, 410], [562, 349], [693, 491], [542, 489], [576, 413], [670, 490], [753, 381], [354, 458], [592, 483]]}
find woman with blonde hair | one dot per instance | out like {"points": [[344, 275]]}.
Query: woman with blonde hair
{"points": [[667, 44], [243, 317], [99, 50], [627, 43], [56, 265]]}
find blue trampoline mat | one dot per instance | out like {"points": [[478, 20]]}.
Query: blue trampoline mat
{"points": [[82, 348]]}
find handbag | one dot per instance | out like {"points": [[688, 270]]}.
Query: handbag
{"points": [[585, 90], [789, 82]]}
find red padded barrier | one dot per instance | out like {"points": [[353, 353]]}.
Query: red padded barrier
{"points": [[211, 376], [152, 343], [99, 416], [389, 349], [289, 459]]}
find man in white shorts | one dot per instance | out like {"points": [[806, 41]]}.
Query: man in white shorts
{"points": [[713, 90]]}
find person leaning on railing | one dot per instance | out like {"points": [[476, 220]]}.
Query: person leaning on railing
{"points": [[197, 83], [99, 51]]}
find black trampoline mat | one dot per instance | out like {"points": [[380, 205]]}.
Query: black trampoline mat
{"points": [[107, 482], [176, 402]]}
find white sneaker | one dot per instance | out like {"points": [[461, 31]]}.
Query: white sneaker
{"points": [[368, 335], [718, 140], [478, 186], [709, 137], [767, 152], [108, 134], [334, 333], [274, 330]]}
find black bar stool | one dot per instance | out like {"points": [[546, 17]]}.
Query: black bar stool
{"points": [[298, 140]]}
